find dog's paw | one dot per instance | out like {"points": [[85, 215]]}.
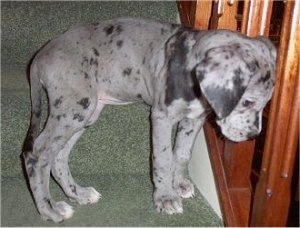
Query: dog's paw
{"points": [[87, 195], [64, 209], [185, 189], [58, 212], [169, 204]]}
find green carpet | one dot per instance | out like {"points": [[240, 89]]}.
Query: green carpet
{"points": [[112, 155]]}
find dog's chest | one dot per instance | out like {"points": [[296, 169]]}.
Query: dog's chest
{"points": [[196, 109]]}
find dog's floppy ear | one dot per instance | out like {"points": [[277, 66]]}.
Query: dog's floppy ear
{"points": [[224, 73]]}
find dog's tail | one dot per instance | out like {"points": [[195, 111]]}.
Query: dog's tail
{"points": [[36, 108]]}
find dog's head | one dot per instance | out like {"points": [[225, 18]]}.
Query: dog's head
{"points": [[236, 77]]}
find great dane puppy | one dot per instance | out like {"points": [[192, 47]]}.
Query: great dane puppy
{"points": [[182, 73]]}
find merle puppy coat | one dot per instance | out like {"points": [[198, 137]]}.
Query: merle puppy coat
{"points": [[182, 73]]}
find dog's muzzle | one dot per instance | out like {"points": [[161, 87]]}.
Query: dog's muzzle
{"points": [[238, 133]]}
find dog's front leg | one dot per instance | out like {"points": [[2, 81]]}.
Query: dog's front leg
{"points": [[166, 198], [186, 133]]}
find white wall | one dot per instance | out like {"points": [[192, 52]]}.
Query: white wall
{"points": [[201, 172]]}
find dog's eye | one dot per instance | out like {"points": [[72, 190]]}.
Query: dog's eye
{"points": [[248, 103]]}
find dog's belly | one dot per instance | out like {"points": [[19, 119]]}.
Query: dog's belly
{"points": [[114, 88]]}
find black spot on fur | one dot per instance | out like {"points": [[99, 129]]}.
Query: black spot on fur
{"points": [[189, 132], [96, 52], [78, 117], [179, 129], [93, 62], [86, 76], [237, 79], [73, 189], [58, 117], [57, 138], [127, 71], [84, 102], [119, 29], [119, 43], [47, 201], [84, 61], [151, 47], [214, 66], [253, 66], [237, 72], [106, 80], [31, 163], [108, 29], [265, 78], [58, 102], [164, 149]]}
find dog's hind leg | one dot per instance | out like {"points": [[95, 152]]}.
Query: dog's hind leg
{"points": [[38, 164], [62, 174], [64, 126]]}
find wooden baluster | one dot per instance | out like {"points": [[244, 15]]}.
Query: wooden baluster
{"points": [[203, 14], [256, 17], [228, 12], [187, 12], [237, 157]]}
